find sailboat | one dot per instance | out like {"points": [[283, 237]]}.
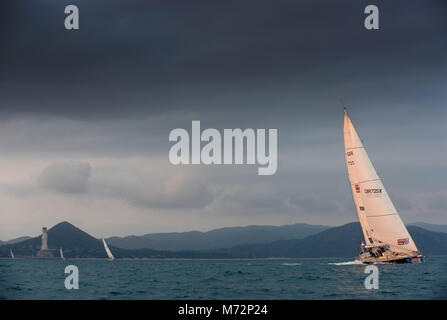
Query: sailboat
{"points": [[386, 238], [11, 254], [108, 252], [61, 253]]}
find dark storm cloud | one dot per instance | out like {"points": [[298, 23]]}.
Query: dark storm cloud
{"points": [[159, 56]]}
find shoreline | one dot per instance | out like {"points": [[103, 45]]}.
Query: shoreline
{"points": [[186, 259], [176, 259]]}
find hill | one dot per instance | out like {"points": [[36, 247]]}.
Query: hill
{"points": [[75, 243], [429, 242], [216, 239], [340, 242], [430, 226], [79, 244], [15, 240]]}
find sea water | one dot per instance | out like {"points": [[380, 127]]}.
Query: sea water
{"points": [[221, 279]]}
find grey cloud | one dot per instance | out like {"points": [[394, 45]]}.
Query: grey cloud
{"points": [[438, 202], [254, 202], [66, 177], [314, 204], [173, 188], [402, 202], [167, 188]]}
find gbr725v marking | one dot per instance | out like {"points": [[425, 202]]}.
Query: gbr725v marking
{"points": [[376, 190]]}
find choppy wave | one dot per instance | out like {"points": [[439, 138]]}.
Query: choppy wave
{"points": [[328, 278]]}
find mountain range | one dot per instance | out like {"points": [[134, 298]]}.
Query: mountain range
{"points": [[430, 226], [76, 244], [320, 241], [217, 238], [15, 240], [343, 241]]}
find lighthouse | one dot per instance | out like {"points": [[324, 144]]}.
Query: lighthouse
{"points": [[44, 252], [44, 239]]}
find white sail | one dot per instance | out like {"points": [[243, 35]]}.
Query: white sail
{"points": [[109, 253], [12, 254], [61, 253], [381, 224]]}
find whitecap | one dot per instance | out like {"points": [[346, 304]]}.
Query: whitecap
{"points": [[347, 263]]}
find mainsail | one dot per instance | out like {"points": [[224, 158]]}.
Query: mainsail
{"points": [[12, 254], [381, 224], [109, 254], [61, 253]]}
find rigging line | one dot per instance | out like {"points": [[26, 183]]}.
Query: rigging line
{"points": [[366, 181], [382, 215], [349, 148]]}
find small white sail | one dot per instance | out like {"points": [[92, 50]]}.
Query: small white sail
{"points": [[11, 254], [61, 253], [381, 224], [109, 254]]}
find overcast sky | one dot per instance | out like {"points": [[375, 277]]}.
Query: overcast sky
{"points": [[85, 115]]}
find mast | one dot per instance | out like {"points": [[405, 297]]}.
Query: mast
{"points": [[61, 253], [108, 252], [380, 221]]}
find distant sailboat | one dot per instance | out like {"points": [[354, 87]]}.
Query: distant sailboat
{"points": [[387, 239], [61, 253], [11, 254], [108, 252]]}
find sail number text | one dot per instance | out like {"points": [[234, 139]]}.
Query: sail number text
{"points": [[376, 190]]}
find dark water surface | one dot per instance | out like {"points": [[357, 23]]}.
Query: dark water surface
{"points": [[220, 279]]}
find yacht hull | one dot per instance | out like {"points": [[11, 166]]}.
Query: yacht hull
{"points": [[415, 259]]}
